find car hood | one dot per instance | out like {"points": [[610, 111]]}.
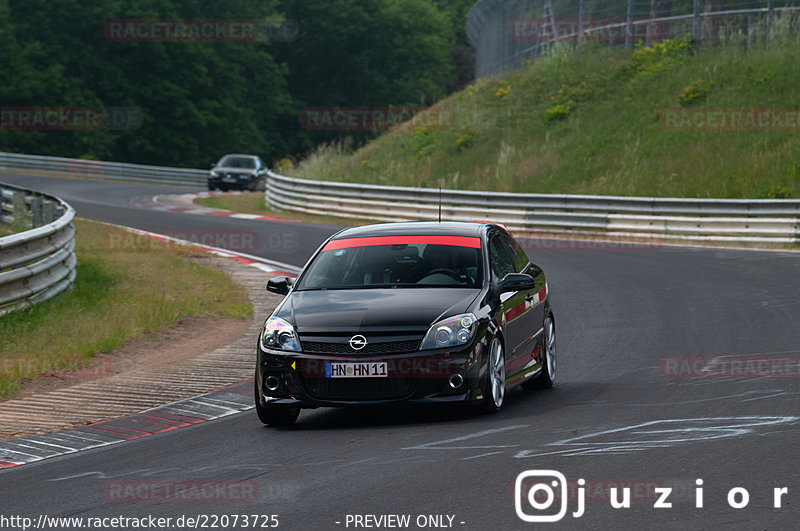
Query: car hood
{"points": [[371, 310]]}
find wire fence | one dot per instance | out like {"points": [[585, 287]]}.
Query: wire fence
{"points": [[507, 34]]}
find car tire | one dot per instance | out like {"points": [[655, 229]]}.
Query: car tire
{"points": [[274, 415], [547, 377], [494, 390]]}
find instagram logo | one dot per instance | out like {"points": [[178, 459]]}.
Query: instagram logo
{"points": [[540, 488]]}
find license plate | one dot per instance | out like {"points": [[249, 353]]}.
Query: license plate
{"points": [[229, 179], [356, 370]]}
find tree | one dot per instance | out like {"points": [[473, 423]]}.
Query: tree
{"points": [[197, 100], [365, 53]]}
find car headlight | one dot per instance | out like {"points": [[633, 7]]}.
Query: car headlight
{"points": [[451, 332], [214, 174], [279, 335]]}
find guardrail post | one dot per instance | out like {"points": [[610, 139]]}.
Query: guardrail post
{"points": [[36, 211], [48, 212], [18, 202]]}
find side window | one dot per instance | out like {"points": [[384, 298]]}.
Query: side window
{"points": [[500, 257], [520, 258]]}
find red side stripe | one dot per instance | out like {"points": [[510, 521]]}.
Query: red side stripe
{"points": [[457, 241], [516, 311], [542, 294]]}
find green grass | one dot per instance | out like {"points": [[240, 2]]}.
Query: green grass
{"points": [[586, 122], [126, 287], [255, 203], [246, 203], [19, 224]]}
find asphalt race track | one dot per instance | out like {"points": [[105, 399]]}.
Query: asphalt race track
{"points": [[631, 323]]}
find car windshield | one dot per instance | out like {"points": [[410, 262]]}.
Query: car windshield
{"points": [[237, 162], [422, 262]]}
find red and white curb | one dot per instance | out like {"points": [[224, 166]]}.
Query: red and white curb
{"points": [[183, 204], [183, 413], [264, 264], [217, 404]]}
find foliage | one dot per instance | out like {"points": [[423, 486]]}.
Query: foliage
{"points": [[564, 101], [647, 61], [695, 91], [198, 100]]}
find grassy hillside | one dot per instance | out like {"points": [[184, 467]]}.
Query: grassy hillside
{"points": [[587, 122]]}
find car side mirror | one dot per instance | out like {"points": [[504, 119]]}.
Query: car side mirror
{"points": [[516, 282], [279, 285]]}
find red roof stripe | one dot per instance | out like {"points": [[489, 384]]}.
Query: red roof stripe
{"points": [[457, 241]]}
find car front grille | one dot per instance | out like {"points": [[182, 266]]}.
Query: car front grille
{"points": [[359, 389], [386, 347]]}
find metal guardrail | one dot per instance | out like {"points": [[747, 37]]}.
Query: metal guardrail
{"points": [[760, 221], [103, 170], [772, 222], [39, 263]]}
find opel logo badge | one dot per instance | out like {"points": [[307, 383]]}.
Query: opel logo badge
{"points": [[358, 342]]}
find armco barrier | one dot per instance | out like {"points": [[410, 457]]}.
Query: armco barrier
{"points": [[103, 170], [772, 222], [745, 221], [38, 263]]}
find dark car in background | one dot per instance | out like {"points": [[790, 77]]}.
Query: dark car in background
{"points": [[406, 312], [238, 172]]}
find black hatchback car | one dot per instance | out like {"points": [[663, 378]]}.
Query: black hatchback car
{"points": [[238, 172], [406, 312]]}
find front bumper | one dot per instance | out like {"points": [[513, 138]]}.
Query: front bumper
{"points": [[419, 377], [221, 182]]}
